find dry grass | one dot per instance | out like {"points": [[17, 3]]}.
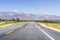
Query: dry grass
{"points": [[7, 22], [54, 25]]}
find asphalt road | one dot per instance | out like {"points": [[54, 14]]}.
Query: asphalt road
{"points": [[32, 31]]}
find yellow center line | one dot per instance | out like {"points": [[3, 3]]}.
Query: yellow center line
{"points": [[9, 32]]}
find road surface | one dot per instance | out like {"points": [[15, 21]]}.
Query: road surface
{"points": [[32, 31]]}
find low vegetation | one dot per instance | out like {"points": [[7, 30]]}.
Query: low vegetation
{"points": [[49, 23], [53, 24], [7, 22], [4, 22]]}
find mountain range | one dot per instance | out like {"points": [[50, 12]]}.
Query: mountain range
{"points": [[27, 16]]}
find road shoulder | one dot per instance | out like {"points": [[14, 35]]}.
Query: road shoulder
{"points": [[49, 27]]}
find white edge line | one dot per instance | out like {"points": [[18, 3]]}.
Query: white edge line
{"points": [[49, 27], [45, 33]]}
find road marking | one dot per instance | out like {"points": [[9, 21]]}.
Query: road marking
{"points": [[9, 32], [45, 33], [49, 27]]}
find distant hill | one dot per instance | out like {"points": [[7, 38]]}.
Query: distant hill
{"points": [[27, 16]]}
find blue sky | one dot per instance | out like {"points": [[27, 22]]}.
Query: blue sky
{"points": [[51, 7]]}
